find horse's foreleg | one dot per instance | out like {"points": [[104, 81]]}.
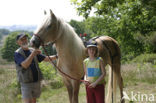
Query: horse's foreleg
{"points": [[73, 89], [76, 86], [69, 87]]}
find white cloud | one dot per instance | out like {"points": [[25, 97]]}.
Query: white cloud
{"points": [[31, 11]]}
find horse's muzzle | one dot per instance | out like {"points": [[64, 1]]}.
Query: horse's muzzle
{"points": [[35, 42]]}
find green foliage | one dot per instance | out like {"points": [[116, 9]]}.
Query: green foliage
{"points": [[48, 70], [50, 49], [145, 58], [80, 28], [49, 73], [84, 7], [131, 22], [9, 46]]}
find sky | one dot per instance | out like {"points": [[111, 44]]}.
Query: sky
{"points": [[31, 12]]}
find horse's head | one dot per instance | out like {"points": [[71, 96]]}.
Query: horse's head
{"points": [[47, 31]]}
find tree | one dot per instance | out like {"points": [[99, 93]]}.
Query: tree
{"points": [[100, 7], [10, 46], [80, 28], [122, 20]]}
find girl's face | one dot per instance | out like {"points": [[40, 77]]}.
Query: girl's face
{"points": [[92, 51]]}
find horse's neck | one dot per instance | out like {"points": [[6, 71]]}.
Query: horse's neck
{"points": [[69, 44], [65, 41]]}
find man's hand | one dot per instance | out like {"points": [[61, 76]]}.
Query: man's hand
{"points": [[26, 63], [36, 52]]}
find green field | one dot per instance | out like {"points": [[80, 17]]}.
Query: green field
{"points": [[139, 78]]}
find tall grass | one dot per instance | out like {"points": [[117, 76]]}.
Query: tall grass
{"points": [[136, 76], [8, 94], [135, 73]]}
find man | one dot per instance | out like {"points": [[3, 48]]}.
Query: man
{"points": [[28, 71]]}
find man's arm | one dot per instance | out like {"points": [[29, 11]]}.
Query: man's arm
{"points": [[53, 57], [26, 63]]}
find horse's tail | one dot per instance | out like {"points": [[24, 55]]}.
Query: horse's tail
{"points": [[113, 73], [111, 97], [114, 55]]}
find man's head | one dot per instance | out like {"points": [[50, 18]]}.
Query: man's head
{"points": [[22, 40]]}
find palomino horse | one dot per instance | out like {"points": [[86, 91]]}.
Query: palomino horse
{"points": [[71, 53]]}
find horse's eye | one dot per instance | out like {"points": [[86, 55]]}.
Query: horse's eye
{"points": [[49, 26]]}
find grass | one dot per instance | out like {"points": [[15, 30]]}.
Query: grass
{"points": [[60, 96], [134, 73], [137, 77], [8, 94]]}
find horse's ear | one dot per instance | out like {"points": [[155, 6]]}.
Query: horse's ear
{"points": [[52, 14], [45, 12]]}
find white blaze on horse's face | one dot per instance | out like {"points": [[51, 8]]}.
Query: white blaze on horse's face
{"points": [[47, 31]]}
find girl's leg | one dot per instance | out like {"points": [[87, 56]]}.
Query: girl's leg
{"points": [[99, 93], [90, 95]]}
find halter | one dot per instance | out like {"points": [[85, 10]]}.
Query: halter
{"points": [[53, 64]]}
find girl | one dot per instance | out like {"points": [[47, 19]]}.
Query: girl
{"points": [[94, 75]]}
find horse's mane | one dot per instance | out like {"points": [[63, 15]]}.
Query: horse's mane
{"points": [[71, 40]]}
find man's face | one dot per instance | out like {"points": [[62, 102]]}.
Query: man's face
{"points": [[23, 41]]}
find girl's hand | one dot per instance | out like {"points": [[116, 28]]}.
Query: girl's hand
{"points": [[92, 85]]}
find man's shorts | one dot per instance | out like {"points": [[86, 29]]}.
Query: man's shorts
{"points": [[31, 90]]}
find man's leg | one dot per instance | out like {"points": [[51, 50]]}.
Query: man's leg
{"points": [[27, 90], [33, 100], [29, 100], [26, 100], [36, 92]]}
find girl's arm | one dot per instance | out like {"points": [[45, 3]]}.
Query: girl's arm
{"points": [[101, 77], [85, 78]]}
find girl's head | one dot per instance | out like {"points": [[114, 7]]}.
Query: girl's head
{"points": [[92, 49]]}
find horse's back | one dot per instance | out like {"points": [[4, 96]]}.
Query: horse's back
{"points": [[108, 49]]}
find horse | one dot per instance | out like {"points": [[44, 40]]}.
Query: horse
{"points": [[71, 53]]}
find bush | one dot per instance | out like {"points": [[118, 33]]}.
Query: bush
{"points": [[48, 70], [150, 58], [50, 76]]}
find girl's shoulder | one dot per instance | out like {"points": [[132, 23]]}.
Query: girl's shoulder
{"points": [[99, 58], [85, 60]]}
